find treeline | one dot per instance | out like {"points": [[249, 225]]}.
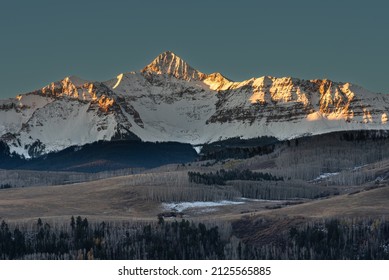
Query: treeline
{"points": [[220, 177], [193, 192], [29, 178], [309, 157], [249, 239], [5, 186], [335, 239], [332, 239], [82, 241], [238, 148], [363, 135], [329, 154], [175, 187], [236, 152], [174, 240], [282, 190]]}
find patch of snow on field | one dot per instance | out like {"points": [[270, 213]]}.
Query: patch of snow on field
{"points": [[359, 167], [260, 200], [181, 206], [325, 176]]}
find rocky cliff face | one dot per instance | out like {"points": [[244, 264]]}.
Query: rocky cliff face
{"points": [[290, 100], [168, 100]]}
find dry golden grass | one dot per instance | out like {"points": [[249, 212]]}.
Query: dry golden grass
{"points": [[109, 199], [265, 226], [128, 198], [367, 203], [99, 199]]}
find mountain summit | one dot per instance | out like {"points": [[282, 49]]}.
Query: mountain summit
{"points": [[170, 64], [171, 101]]}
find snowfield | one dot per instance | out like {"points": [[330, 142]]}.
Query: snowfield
{"points": [[169, 100], [182, 206]]}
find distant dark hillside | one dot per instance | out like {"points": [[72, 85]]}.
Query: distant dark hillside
{"points": [[246, 148], [103, 155], [6, 160], [238, 148], [301, 158]]}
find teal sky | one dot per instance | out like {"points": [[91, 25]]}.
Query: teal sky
{"points": [[43, 41]]}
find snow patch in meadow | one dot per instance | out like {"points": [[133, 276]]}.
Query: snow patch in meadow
{"points": [[325, 176], [181, 206], [259, 200]]}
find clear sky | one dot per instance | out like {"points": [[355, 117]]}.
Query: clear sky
{"points": [[44, 40]]}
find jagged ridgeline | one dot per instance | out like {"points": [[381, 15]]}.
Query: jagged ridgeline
{"points": [[170, 101]]}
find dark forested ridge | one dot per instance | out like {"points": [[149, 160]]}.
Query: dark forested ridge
{"points": [[246, 148], [238, 148], [113, 155], [103, 155]]}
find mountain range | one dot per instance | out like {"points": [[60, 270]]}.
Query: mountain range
{"points": [[170, 101]]}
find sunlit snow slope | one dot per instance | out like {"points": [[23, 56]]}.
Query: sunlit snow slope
{"points": [[168, 100]]}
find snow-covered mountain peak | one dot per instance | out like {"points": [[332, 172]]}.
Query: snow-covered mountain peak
{"points": [[171, 101], [73, 87], [169, 63], [217, 81]]}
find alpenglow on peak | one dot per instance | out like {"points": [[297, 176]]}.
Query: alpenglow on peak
{"points": [[171, 64]]}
